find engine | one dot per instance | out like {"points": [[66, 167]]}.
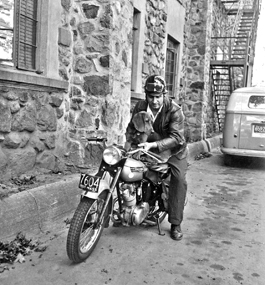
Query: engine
{"points": [[134, 209]]}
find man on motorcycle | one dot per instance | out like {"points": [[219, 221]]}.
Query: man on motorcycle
{"points": [[168, 137]]}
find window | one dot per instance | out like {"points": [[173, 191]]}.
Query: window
{"points": [[171, 66], [29, 33], [26, 36], [20, 44], [256, 102], [136, 30], [6, 31]]}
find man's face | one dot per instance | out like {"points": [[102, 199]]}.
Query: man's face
{"points": [[154, 100]]}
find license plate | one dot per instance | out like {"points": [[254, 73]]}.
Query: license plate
{"points": [[89, 183], [258, 130]]}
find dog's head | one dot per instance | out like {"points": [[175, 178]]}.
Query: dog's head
{"points": [[143, 124]]}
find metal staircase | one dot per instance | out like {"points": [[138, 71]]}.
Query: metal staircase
{"points": [[230, 59]]}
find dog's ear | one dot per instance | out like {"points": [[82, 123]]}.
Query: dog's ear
{"points": [[139, 122], [148, 123], [142, 122]]}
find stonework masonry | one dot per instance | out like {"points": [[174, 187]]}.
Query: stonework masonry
{"points": [[49, 128], [204, 19], [99, 93]]}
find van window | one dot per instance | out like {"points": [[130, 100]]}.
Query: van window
{"points": [[256, 102]]}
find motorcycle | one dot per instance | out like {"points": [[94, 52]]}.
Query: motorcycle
{"points": [[130, 189]]}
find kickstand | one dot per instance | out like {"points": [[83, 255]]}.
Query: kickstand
{"points": [[159, 228]]}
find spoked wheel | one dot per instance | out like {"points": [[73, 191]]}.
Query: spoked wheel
{"points": [[84, 231], [116, 217]]}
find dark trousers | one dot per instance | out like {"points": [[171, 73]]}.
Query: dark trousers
{"points": [[177, 189]]}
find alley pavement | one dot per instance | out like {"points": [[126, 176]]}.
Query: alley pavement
{"points": [[45, 207], [223, 242]]}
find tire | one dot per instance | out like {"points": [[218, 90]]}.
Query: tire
{"points": [[228, 160], [84, 222]]}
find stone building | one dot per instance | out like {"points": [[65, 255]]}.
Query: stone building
{"points": [[72, 69]]}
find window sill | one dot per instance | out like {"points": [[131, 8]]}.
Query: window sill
{"points": [[138, 96], [17, 78]]}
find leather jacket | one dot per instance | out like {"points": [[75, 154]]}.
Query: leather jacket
{"points": [[168, 127]]}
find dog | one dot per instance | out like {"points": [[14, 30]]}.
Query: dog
{"points": [[143, 124], [143, 128]]}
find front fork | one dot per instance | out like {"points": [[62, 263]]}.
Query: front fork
{"points": [[109, 195]]}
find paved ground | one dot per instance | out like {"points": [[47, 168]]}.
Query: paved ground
{"points": [[223, 240], [49, 200]]}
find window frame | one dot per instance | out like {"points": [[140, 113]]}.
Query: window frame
{"points": [[172, 47], [256, 105], [18, 15], [46, 75], [137, 64], [135, 47], [6, 28]]}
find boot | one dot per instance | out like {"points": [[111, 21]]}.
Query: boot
{"points": [[175, 232]]}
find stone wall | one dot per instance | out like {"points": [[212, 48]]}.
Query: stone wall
{"points": [[155, 40], [30, 130], [50, 129], [99, 97], [155, 33], [195, 94]]}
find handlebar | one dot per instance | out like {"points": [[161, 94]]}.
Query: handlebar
{"points": [[149, 153]]}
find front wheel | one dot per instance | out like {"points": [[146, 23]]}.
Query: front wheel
{"points": [[84, 231]]}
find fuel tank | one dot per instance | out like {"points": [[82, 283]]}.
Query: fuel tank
{"points": [[133, 170]]}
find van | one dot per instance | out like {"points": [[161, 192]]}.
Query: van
{"points": [[244, 125]]}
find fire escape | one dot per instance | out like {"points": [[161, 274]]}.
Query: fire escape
{"points": [[232, 52]]}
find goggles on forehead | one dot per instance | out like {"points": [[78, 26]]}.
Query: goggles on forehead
{"points": [[156, 87]]}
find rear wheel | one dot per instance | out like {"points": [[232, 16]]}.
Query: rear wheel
{"points": [[84, 231]]}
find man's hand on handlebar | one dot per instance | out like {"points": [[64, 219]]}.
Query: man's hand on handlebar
{"points": [[148, 145], [160, 167]]}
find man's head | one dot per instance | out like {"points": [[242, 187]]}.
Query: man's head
{"points": [[155, 88]]}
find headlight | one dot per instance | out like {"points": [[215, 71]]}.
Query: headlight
{"points": [[112, 155]]}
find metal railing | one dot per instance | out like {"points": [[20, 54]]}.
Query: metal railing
{"points": [[223, 48]]}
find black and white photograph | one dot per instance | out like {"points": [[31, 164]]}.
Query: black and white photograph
{"points": [[132, 142]]}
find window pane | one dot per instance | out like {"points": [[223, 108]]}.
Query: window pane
{"points": [[135, 45], [27, 42], [171, 62], [6, 31], [256, 102]]}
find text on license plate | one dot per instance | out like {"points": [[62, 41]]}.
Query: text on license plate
{"points": [[89, 182], [258, 130]]}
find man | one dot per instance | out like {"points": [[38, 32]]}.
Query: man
{"points": [[168, 136]]}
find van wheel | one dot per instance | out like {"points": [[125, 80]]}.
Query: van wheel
{"points": [[228, 160]]}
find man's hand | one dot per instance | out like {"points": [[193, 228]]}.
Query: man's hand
{"points": [[161, 167], [148, 145]]}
